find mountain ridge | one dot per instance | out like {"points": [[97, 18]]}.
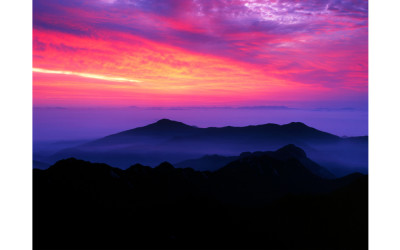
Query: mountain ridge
{"points": [[265, 172], [215, 162], [254, 202], [172, 124], [173, 141]]}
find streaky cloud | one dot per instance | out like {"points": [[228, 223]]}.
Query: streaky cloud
{"points": [[87, 75]]}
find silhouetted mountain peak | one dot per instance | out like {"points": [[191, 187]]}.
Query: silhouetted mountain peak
{"points": [[292, 150], [138, 168], [166, 126], [165, 167], [137, 165], [68, 161], [169, 123], [72, 164], [296, 125]]}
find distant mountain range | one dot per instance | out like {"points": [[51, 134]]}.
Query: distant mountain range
{"points": [[176, 142], [263, 200]]}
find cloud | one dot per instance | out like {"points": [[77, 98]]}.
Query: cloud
{"points": [[86, 75], [237, 48]]}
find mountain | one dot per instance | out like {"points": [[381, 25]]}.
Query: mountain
{"points": [[291, 151], [207, 162], [215, 162], [257, 201], [263, 176], [155, 132], [173, 141]]}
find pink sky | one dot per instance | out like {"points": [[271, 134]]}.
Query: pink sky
{"points": [[200, 53]]}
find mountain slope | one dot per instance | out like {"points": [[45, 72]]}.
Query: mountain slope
{"points": [[173, 141], [215, 162], [254, 202], [207, 162]]}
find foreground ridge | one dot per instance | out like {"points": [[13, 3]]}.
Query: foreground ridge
{"points": [[260, 200]]}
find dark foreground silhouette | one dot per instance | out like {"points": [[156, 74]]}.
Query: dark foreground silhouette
{"points": [[258, 201]]}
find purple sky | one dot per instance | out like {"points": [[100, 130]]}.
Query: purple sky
{"points": [[55, 124], [310, 54]]}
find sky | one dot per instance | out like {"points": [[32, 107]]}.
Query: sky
{"points": [[74, 124], [102, 66], [118, 53]]}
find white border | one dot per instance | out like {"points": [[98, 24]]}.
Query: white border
{"points": [[384, 129], [16, 125]]}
